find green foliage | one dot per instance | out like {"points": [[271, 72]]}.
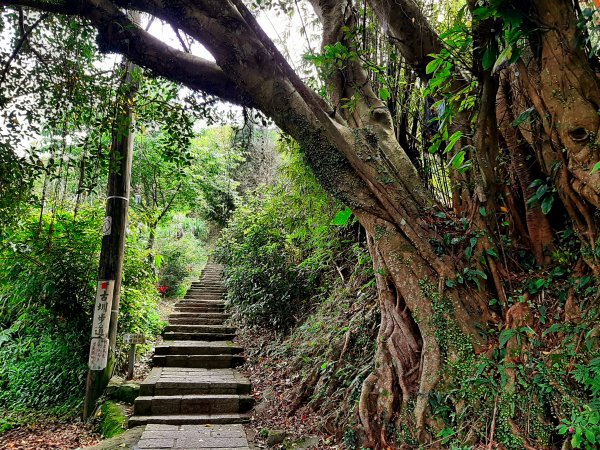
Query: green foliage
{"points": [[182, 253], [499, 385], [139, 297], [43, 369], [113, 421], [276, 247], [584, 424], [544, 195], [47, 292]]}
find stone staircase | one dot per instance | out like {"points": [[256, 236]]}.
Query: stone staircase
{"points": [[193, 381]]}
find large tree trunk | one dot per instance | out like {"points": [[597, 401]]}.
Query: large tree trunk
{"points": [[558, 79]]}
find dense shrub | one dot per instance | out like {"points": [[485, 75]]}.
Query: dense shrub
{"points": [[277, 245], [47, 292]]}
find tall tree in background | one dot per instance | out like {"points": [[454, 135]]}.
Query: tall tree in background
{"points": [[524, 59]]}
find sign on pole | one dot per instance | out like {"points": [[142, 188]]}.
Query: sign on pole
{"points": [[98, 353], [134, 338], [99, 345]]}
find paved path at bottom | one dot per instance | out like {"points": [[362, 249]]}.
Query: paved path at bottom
{"points": [[193, 437]]}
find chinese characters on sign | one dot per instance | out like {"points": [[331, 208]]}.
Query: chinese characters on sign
{"points": [[98, 353], [102, 309], [137, 338]]}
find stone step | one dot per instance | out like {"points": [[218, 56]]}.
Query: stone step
{"points": [[197, 348], [179, 336], [188, 419], [200, 302], [216, 292], [214, 308], [192, 404], [206, 295], [206, 292], [196, 321], [192, 304], [199, 309], [200, 329], [204, 298], [199, 361], [208, 315], [180, 437], [187, 380]]}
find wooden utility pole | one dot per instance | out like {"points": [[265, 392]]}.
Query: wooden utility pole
{"points": [[108, 295]]}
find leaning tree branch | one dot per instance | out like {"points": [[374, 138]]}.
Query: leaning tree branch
{"points": [[410, 31], [118, 34], [123, 36]]}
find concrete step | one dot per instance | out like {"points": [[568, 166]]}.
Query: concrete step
{"points": [[203, 298], [181, 437], [179, 336], [208, 315], [215, 308], [200, 302], [192, 404], [207, 292], [197, 348], [186, 304], [199, 309], [188, 380], [205, 295], [199, 361], [200, 329], [196, 321], [188, 419]]}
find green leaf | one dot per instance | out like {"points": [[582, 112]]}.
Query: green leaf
{"points": [[483, 211], [452, 141], [554, 328], [492, 252], [576, 440], [458, 160], [590, 436], [384, 94], [522, 117], [504, 56], [481, 274], [596, 167], [505, 336], [342, 217], [489, 56], [547, 203], [433, 65]]}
